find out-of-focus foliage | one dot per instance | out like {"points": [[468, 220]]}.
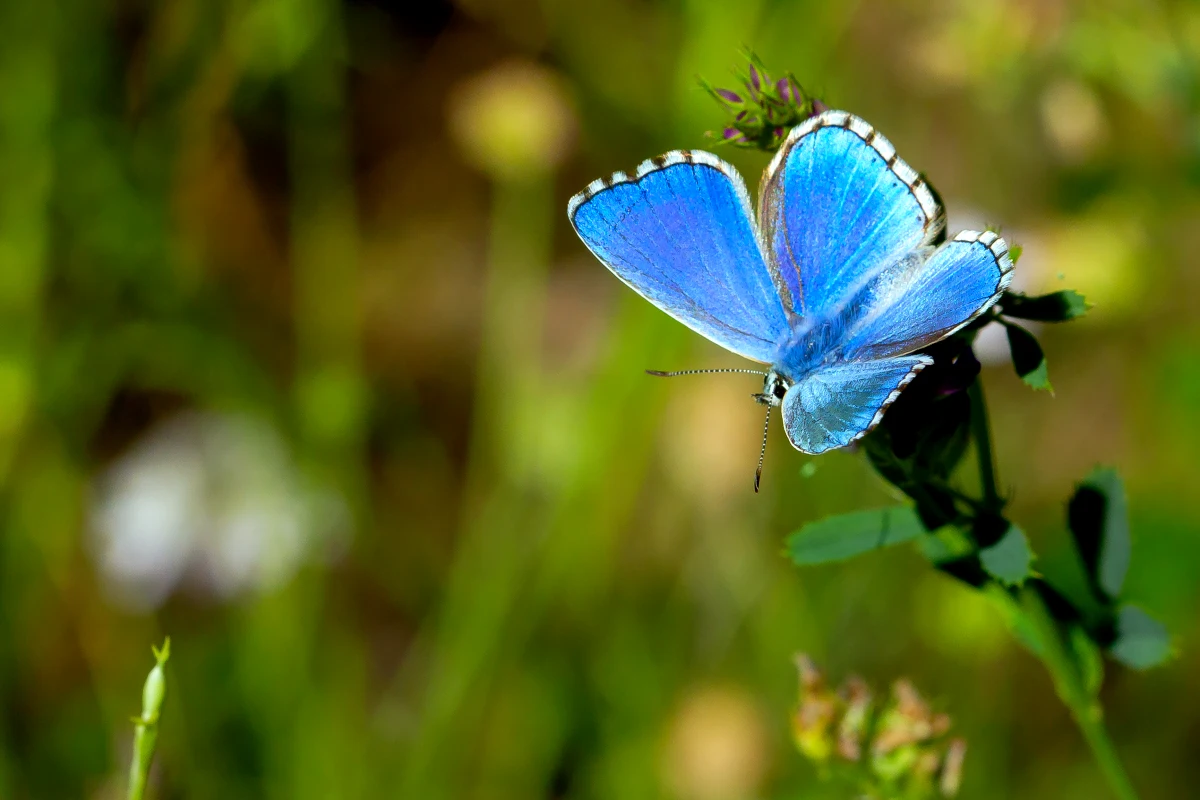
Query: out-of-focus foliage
{"points": [[467, 548]]}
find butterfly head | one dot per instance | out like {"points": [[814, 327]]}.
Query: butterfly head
{"points": [[775, 386]]}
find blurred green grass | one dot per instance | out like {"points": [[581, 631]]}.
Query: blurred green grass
{"points": [[465, 548]]}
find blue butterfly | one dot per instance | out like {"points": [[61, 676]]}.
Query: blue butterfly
{"points": [[836, 285]]}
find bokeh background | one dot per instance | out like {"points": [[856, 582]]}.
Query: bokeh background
{"points": [[301, 364]]}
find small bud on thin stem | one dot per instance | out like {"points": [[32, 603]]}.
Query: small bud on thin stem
{"points": [[145, 735]]}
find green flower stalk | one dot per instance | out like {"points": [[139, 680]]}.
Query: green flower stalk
{"points": [[145, 735]]}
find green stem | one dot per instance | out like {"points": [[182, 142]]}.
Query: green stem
{"points": [[1067, 680], [145, 736], [982, 434], [1071, 690]]}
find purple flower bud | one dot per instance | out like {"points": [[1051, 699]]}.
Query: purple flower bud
{"points": [[780, 131], [728, 96], [732, 135], [741, 116], [818, 107], [755, 79], [791, 91], [784, 88]]}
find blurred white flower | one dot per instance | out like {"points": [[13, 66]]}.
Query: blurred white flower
{"points": [[207, 499]]}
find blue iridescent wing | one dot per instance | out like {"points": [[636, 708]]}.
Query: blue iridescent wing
{"points": [[925, 300], [838, 207], [835, 405], [680, 231]]}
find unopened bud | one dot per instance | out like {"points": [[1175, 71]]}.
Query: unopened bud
{"points": [[756, 80], [155, 689]]}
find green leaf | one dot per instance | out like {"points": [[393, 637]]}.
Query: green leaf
{"points": [[1008, 560], [848, 535], [1142, 641], [946, 544], [1098, 517], [1054, 307], [1027, 357], [1014, 252]]}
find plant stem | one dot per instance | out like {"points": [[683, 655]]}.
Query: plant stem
{"points": [[982, 433], [145, 736], [1067, 680], [1071, 690]]}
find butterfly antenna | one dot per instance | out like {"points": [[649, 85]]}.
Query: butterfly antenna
{"points": [[763, 452], [660, 374]]}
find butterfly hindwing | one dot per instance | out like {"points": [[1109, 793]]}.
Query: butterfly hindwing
{"points": [[937, 296], [837, 404], [680, 232], [838, 206]]}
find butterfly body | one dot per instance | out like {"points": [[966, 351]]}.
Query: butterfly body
{"points": [[837, 282]]}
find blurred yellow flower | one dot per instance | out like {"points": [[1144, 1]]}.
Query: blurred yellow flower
{"points": [[513, 121]]}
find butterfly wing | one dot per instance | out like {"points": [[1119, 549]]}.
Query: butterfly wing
{"points": [[935, 297], [681, 233], [838, 207], [835, 405]]}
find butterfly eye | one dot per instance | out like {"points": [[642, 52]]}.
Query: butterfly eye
{"points": [[779, 390]]}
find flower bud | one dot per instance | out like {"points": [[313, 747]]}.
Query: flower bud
{"points": [[783, 90], [765, 110], [756, 80], [155, 689]]}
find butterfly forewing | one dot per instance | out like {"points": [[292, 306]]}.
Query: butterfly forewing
{"points": [[837, 207], [680, 232]]}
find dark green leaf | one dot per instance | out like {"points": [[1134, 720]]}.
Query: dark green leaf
{"points": [[1027, 357], [1099, 521], [848, 535], [1054, 307], [1142, 641], [1008, 560]]}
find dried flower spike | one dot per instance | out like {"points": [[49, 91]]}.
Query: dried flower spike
{"points": [[905, 739]]}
